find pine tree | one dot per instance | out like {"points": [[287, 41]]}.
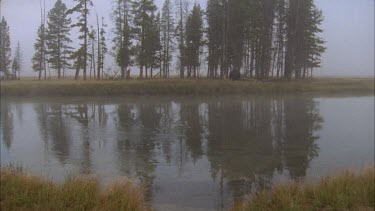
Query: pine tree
{"points": [[14, 68], [39, 57], [79, 61], [152, 44], [91, 53], [215, 22], [57, 38], [102, 48], [142, 11], [123, 35], [267, 16], [251, 34], [280, 37], [5, 49], [182, 13], [194, 40], [234, 35], [314, 45], [304, 47], [81, 55], [167, 29], [224, 58], [17, 62]]}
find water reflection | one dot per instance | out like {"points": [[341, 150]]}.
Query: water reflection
{"points": [[6, 124], [301, 120], [245, 141]]}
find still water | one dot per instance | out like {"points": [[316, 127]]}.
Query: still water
{"points": [[192, 153]]}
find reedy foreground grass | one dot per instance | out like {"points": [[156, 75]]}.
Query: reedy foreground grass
{"points": [[346, 191], [21, 191], [183, 87]]}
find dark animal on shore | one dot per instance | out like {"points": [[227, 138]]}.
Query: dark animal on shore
{"points": [[234, 76]]}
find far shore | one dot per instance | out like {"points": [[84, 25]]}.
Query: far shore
{"points": [[68, 87]]}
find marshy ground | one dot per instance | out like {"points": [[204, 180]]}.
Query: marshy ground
{"points": [[183, 87]]}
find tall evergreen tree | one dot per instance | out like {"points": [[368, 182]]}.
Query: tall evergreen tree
{"points": [[215, 22], [234, 35], [280, 37], [57, 38], [152, 44], [17, 62], [194, 40], [267, 16], [123, 35], [182, 13], [92, 51], [304, 47], [167, 29], [102, 48], [39, 57], [314, 45], [81, 55], [142, 11], [5, 49], [14, 68], [251, 34]]}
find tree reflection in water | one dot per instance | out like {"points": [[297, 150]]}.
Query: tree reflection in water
{"points": [[6, 124], [246, 141]]}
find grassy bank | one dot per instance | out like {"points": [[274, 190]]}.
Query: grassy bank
{"points": [[183, 87], [347, 191], [20, 191]]}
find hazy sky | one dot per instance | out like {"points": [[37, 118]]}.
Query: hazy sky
{"points": [[348, 31]]}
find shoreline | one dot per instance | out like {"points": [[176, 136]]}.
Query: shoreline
{"points": [[185, 87]]}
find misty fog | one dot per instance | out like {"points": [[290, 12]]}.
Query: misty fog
{"points": [[348, 32]]}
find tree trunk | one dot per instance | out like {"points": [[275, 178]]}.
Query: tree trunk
{"points": [[252, 59], [77, 74], [99, 48], [85, 44], [122, 72]]}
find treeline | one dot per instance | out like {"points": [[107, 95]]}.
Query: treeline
{"points": [[232, 38], [53, 47], [10, 68], [261, 39]]}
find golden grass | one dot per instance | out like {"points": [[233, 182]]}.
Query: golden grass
{"points": [[346, 191], [21, 191], [183, 87]]}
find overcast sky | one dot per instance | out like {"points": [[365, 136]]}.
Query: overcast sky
{"points": [[348, 31]]}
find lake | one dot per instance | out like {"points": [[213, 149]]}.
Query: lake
{"points": [[192, 153]]}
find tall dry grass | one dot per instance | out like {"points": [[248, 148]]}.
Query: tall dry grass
{"points": [[346, 191], [21, 191]]}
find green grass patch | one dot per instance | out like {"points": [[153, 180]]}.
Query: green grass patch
{"points": [[21, 191], [184, 87], [346, 191]]}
